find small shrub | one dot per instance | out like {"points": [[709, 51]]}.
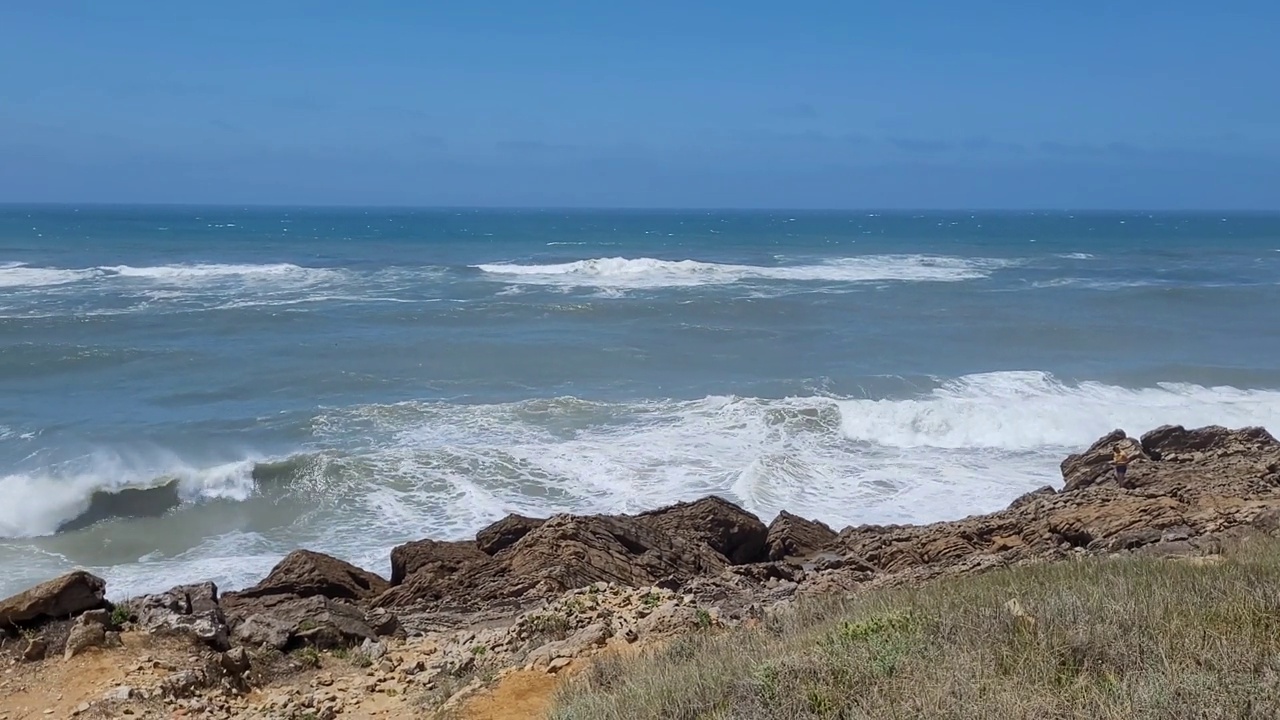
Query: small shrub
{"points": [[703, 618], [547, 625], [308, 656], [479, 650], [361, 660], [120, 614]]}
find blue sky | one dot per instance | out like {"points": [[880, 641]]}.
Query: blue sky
{"points": [[658, 104]]}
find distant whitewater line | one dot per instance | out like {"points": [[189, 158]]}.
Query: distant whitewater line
{"points": [[645, 272], [23, 275]]}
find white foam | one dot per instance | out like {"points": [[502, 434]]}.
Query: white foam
{"points": [[637, 273], [181, 274], [38, 503], [420, 469], [1018, 411], [20, 275], [1076, 256], [970, 446]]}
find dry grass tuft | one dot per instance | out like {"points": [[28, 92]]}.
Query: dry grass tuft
{"points": [[1114, 639]]}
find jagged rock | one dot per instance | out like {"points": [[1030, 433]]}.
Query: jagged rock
{"points": [[506, 532], [1025, 498], [668, 619], [576, 645], [728, 529], [191, 610], [119, 694], [183, 683], [439, 558], [286, 621], [1094, 465], [563, 553], [263, 630], [1176, 443], [569, 552], [235, 661], [384, 623], [373, 649], [36, 649], [304, 573], [85, 634], [64, 596], [791, 536]]}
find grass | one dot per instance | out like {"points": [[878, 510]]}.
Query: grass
{"points": [[1111, 639]]}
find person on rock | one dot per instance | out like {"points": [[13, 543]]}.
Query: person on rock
{"points": [[1120, 461]]}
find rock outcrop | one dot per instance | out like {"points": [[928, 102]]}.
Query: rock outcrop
{"points": [[506, 532], [191, 610], [730, 531], [794, 536], [567, 551], [690, 564], [61, 597], [308, 598], [440, 558], [304, 573]]}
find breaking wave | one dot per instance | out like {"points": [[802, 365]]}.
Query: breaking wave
{"points": [[638, 273], [109, 485]]}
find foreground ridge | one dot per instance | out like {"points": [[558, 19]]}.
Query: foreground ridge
{"points": [[523, 602]]}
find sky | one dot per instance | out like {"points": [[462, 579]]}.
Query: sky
{"points": [[978, 104]]}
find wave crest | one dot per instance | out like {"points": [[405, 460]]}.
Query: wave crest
{"points": [[637, 273], [111, 485]]}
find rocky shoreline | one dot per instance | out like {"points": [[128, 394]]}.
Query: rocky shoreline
{"points": [[534, 595]]}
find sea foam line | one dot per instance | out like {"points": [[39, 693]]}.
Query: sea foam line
{"points": [[648, 272]]}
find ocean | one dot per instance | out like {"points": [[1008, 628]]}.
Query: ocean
{"points": [[190, 393]]}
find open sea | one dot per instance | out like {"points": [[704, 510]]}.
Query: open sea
{"points": [[190, 393]]}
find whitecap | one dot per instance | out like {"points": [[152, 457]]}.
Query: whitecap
{"points": [[637, 273]]}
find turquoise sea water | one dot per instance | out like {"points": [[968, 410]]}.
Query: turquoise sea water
{"points": [[188, 393]]}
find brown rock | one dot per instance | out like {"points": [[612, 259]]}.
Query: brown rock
{"points": [[1094, 465], [191, 610], [1175, 442], [286, 621], [728, 529], [439, 558], [64, 596], [791, 536], [569, 552], [35, 650], [84, 634], [506, 532], [303, 573]]}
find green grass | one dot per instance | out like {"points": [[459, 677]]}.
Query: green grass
{"points": [[1113, 639]]}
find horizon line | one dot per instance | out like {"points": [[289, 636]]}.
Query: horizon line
{"points": [[632, 208]]}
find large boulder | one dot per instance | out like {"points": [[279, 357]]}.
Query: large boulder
{"points": [[442, 558], [191, 610], [304, 573], [285, 622], [1176, 443], [506, 532], [793, 536], [1093, 466], [569, 552], [563, 553], [61, 597], [726, 528]]}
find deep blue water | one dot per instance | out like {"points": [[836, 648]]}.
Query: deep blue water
{"points": [[349, 379]]}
